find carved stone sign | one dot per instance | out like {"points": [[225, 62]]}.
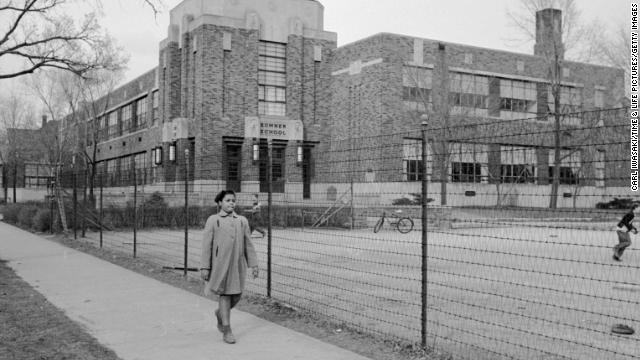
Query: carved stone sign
{"points": [[270, 128]]}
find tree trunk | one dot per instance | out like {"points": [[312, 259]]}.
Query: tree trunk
{"points": [[60, 198]]}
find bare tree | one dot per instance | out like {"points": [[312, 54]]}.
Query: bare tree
{"points": [[445, 102], [96, 97], [40, 34], [614, 48], [575, 41], [15, 113], [577, 32]]}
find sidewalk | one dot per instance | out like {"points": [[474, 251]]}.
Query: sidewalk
{"points": [[142, 318]]}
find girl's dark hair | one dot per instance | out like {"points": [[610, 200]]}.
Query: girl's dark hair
{"points": [[634, 206], [222, 194]]}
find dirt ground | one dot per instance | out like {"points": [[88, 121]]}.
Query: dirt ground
{"points": [[31, 328]]}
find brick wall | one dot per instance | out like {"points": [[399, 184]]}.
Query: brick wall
{"points": [[379, 87]]}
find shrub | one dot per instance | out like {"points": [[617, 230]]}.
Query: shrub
{"points": [[42, 220], [10, 213], [26, 215]]}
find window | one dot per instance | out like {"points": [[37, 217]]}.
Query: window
{"points": [[412, 160], [598, 99], [114, 130], [234, 161], [517, 164], [126, 173], [140, 164], [307, 173], [156, 104], [469, 92], [278, 165], [103, 124], [599, 168], [466, 172], [570, 104], [127, 121], [112, 175], [416, 88], [272, 88], [570, 166], [598, 103], [468, 162], [517, 99], [141, 113], [91, 131], [37, 175]]}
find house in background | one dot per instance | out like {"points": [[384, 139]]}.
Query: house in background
{"points": [[29, 167]]}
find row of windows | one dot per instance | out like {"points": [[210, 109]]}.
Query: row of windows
{"points": [[518, 105], [472, 91], [466, 172], [128, 118], [469, 100], [272, 89]]}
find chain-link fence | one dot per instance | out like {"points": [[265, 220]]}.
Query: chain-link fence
{"points": [[483, 240]]}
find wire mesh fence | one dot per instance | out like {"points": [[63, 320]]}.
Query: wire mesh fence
{"points": [[514, 260]]}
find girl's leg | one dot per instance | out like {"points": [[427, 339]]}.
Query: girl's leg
{"points": [[235, 299], [224, 309]]}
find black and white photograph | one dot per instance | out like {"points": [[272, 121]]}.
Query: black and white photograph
{"points": [[319, 180]]}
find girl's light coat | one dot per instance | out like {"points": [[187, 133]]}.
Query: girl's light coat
{"points": [[227, 250]]}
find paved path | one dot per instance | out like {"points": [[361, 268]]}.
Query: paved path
{"points": [[142, 318]]}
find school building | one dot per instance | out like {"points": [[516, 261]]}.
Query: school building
{"points": [[230, 74]]}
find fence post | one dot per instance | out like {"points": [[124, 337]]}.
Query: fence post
{"points": [[424, 235], [269, 212], [75, 204], [101, 207], [51, 214], [186, 210], [15, 179], [135, 204], [84, 202]]}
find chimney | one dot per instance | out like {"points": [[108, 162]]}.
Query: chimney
{"points": [[549, 34], [44, 121]]}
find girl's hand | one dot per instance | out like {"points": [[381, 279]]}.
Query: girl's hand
{"points": [[255, 272], [204, 274]]}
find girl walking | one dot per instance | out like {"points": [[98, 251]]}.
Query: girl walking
{"points": [[227, 252]]}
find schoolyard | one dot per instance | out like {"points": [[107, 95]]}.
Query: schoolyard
{"points": [[534, 290]]}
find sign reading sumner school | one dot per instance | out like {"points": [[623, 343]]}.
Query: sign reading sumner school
{"points": [[270, 128]]}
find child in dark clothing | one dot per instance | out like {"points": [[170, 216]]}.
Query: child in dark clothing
{"points": [[254, 219], [624, 227]]}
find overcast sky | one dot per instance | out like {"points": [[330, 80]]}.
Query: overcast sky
{"points": [[481, 23]]}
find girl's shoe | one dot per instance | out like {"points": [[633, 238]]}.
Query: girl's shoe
{"points": [[220, 327], [227, 335]]}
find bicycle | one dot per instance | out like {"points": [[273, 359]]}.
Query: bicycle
{"points": [[401, 223]]}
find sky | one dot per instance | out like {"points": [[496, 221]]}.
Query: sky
{"points": [[482, 23]]}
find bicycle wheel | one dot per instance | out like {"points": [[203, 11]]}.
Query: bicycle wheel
{"points": [[378, 225], [404, 225]]}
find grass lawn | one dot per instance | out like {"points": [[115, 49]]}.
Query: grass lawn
{"points": [[32, 328]]}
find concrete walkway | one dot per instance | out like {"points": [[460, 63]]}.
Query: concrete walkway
{"points": [[142, 318]]}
